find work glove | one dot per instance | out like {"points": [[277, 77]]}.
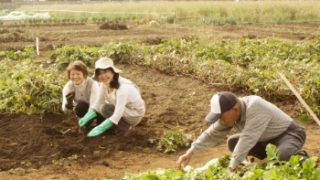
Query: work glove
{"points": [[90, 115], [70, 98], [101, 128]]}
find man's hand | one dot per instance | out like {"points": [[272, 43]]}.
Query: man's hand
{"points": [[184, 160], [232, 169]]}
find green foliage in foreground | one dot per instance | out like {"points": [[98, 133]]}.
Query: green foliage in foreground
{"points": [[26, 87], [272, 170]]}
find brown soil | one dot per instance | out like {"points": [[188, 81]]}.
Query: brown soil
{"points": [[43, 147], [14, 35], [50, 147], [91, 34], [113, 26]]}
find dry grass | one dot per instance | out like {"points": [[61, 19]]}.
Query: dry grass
{"points": [[205, 12]]}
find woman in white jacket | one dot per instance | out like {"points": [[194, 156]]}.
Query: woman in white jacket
{"points": [[118, 100], [80, 91]]}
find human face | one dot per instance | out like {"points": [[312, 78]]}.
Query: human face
{"points": [[76, 76], [230, 117], [105, 76]]}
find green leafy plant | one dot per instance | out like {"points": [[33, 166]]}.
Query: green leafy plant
{"points": [[26, 53], [27, 88], [247, 64], [73, 157], [63, 56], [293, 169], [172, 140]]}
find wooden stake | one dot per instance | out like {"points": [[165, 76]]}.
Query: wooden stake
{"points": [[295, 92], [37, 46]]}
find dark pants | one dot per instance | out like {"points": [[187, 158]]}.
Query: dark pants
{"points": [[123, 127], [82, 108], [288, 143]]}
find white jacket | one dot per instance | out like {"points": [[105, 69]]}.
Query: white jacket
{"points": [[127, 101]]}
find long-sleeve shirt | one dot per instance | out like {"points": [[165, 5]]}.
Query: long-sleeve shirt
{"points": [[86, 92], [126, 99], [260, 121]]}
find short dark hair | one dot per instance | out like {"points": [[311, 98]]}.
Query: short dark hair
{"points": [[79, 66], [114, 84]]}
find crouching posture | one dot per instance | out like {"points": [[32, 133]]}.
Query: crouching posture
{"points": [[80, 91], [118, 101], [260, 123]]}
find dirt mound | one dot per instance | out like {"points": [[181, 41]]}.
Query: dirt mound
{"points": [[153, 40], [30, 141], [113, 26], [16, 35], [4, 31], [34, 141]]}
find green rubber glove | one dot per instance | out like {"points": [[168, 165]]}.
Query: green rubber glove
{"points": [[90, 115], [103, 127]]}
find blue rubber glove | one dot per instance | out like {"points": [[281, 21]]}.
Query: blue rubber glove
{"points": [[103, 127], [90, 115]]}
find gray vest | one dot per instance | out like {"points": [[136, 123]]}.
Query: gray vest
{"points": [[84, 95]]}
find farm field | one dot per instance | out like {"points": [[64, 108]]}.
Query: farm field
{"points": [[178, 63]]}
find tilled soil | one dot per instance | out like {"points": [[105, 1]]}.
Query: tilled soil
{"points": [[51, 147]]}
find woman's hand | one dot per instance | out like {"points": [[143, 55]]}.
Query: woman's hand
{"points": [[70, 98]]}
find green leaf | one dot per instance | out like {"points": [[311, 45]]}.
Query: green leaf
{"points": [[272, 153]]}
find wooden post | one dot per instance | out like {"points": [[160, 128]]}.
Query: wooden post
{"points": [[37, 46], [295, 92]]}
